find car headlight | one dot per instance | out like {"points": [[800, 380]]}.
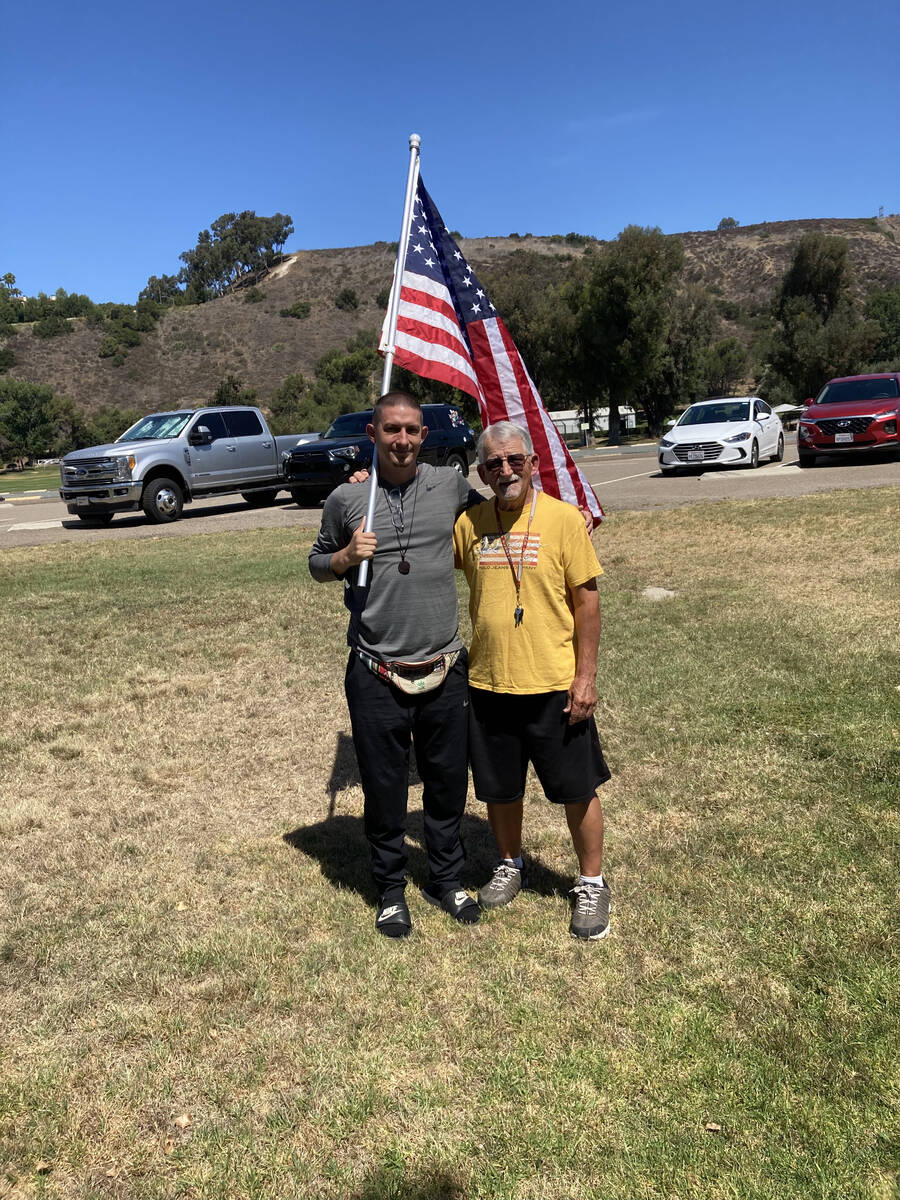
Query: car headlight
{"points": [[349, 453], [124, 466], [738, 437], [665, 442]]}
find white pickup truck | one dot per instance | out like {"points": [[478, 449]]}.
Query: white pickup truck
{"points": [[167, 459]]}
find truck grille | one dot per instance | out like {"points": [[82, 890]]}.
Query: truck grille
{"points": [[87, 471], [832, 425], [310, 463], [709, 450]]}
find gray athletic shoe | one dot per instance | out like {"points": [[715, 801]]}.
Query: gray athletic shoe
{"points": [[590, 918], [502, 887]]}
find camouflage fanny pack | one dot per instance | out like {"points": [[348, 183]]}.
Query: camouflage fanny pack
{"points": [[410, 677]]}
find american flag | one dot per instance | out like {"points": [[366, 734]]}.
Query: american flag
{"points": [[447, 329]]}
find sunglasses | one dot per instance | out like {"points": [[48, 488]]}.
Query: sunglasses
{"points": [[516, 462]]}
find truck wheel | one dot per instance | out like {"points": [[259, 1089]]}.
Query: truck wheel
{"points": [[458, 463], [260, 499], [307, 497], [95, 518], [162, 501], [805, 458]]}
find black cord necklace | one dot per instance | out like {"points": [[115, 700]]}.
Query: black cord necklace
{"points": [[394, 497]]}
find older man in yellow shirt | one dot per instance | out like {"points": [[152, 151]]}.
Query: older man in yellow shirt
{"points": [[532, 575]]}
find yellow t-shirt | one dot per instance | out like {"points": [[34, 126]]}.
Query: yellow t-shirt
{"points": [[539, 655]]}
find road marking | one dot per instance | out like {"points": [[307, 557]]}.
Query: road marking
{"points": [[622, 478], [35, 525]]}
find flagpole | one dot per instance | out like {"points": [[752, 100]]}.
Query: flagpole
{"points": [[412, 180]]}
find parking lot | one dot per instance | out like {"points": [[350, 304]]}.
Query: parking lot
{"points": [[627, 480]]}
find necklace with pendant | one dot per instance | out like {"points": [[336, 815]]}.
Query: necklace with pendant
{"points": [[519, 612], [394, 497]]}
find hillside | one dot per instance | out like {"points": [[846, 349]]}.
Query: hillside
{"points": [[193, 348]]}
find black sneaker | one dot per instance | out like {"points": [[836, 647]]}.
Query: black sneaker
{"points": [[392, 919], [590, 916], [503, 886], [456, 902]]}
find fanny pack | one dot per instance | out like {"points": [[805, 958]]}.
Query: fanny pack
{"points": [[410, 677]]}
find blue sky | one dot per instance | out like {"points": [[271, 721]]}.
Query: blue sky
{"points": [[126, 129]]}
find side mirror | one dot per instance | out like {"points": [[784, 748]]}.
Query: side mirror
{"points": [[200, 436]]}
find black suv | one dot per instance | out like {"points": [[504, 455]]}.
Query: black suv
{"points": [[317, 468]]}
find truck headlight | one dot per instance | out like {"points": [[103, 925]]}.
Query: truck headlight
{"points": [[348, 453], [124, 466]]}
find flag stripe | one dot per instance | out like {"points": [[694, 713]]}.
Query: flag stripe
{"points": [[435, 368], [423, 323]]}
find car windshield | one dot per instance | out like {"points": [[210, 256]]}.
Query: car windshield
{"points": [[712, 414], [349, 425], [159, 425], [859, 389]]}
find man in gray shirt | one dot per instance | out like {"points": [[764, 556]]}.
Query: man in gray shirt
{"points": [[406, 676]]}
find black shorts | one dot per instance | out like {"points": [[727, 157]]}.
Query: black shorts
{"points": [[507, 731]]}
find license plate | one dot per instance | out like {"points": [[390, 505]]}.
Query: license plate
{"points": [[695, 456], [843, 437], [82, 501]]}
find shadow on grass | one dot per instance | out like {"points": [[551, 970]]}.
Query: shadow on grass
{"points": [[339, 841], [388, 1184]]}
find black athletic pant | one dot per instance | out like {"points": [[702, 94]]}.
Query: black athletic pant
{"points": [[384, 720]]}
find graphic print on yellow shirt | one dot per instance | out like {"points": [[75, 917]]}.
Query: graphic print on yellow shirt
{"points": [[492, 554], [539, 655]]}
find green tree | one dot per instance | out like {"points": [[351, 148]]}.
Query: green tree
{"points": [[819, 332], [621, 301], [524, 289], [300, 309], [728, 223], [163, 289], [238, 247], [723, 365], [26, 419], [883, 307], [70, 431], [107, 424], [52, 325], [289, 405], [819, 273], [347, 300], [679, 376], [231, 390]]}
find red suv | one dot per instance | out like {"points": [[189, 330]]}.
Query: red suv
{"points": [[858, 412]]}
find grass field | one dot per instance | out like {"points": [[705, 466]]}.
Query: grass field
{"points": [[31, 479], [194, 1003]]}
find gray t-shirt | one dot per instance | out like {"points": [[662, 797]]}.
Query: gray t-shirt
{"points": [[399, 617]]}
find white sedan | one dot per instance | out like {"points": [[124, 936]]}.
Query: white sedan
{"points": [[733, 429]]}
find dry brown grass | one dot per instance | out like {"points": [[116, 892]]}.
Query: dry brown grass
{"points": [[187, 927]]}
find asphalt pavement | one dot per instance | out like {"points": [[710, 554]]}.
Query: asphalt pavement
{"points": [[624, 478]]}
